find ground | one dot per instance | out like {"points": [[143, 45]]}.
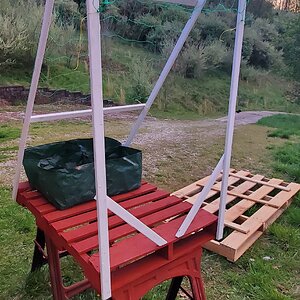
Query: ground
{"points": [[164, 142], [175, 153]]}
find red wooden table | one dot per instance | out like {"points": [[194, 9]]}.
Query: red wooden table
{"points": [[137, 264]]}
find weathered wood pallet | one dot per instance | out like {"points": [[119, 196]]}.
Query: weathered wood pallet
{"points": [[253, 203]]}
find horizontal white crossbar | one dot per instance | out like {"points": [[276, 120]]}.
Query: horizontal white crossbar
{"points": [[183, 2], [83, 113]]}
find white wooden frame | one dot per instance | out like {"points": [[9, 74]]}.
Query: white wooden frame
{"points": [[97, 113]]}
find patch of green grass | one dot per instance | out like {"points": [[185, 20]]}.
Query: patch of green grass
{"points": [[281, 133], [8, 133], [286, 158], [287, 125], [285, 121], [287, 161]]}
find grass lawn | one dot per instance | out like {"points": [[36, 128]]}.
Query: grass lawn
{"points": [[251, 277]]}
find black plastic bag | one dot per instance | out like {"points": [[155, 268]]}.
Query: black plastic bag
{"points": [[64, 172]]}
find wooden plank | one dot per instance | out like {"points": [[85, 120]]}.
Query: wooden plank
{"points": [[243, 196], [154, 196], [276, 186], [193, 188], [250, 241], [70, 212], [283, 196], [74, 221], [245, 234], [242, 206], [213, 207], [220, 249], [32, 194], [145, 210], [193, 198], [236, 226], [42, 209], [139, 245], [258, 219], [124, 230], [91, 229], [144, 189]]}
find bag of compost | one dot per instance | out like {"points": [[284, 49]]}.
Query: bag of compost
{"points": [[64, 171]]}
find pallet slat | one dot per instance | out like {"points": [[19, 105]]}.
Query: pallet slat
{"points": [[276, 186]]}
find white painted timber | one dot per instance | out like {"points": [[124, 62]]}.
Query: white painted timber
{"points": [[237, 55], [94, 39], [32, 92], [84, 113]]}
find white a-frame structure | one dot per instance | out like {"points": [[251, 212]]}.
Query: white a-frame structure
{"points": [[103, 201]]}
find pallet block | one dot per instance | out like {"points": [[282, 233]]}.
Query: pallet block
{"points": [[253, 203]]}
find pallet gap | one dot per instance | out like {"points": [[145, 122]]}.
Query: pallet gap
{"points": [[274, 192], [253, 209], [233, 203]]}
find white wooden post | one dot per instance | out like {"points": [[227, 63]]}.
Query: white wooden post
{"points": [[33, 88], [237, 56], [94, 39], [167, 68]]}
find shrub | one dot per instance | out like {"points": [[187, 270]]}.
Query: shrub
{"points": [[252, 74], [66, 14], [19, 35], [215, 53], [192, 62], [141, 76]]}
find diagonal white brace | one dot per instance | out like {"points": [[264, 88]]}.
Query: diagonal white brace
{"points": [[167, 68], [33, 88], [135, 222], [237, 56], [197, 205]]}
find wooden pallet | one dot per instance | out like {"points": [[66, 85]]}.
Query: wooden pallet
{"points": [[253, 203]]}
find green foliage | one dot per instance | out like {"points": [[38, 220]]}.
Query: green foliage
{"points": [[291, 46], [261, 8], [19, 34], [66, 14]]}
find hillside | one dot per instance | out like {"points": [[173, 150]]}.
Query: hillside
{"points": [[137, 39]]}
